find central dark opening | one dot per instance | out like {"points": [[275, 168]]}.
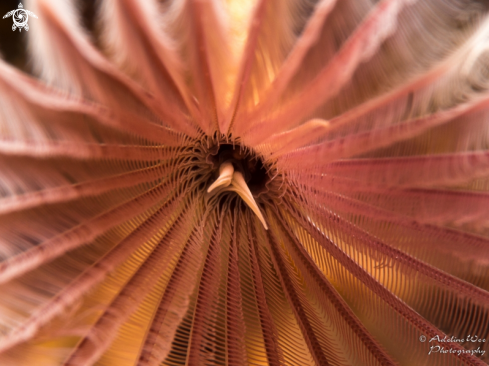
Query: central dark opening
{"points": [[250, 165]]}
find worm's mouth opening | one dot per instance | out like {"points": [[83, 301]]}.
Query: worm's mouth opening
{"points": [[247, 163], [238, 170]]}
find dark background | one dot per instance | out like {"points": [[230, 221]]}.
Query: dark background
{"points": [[13, 45]]}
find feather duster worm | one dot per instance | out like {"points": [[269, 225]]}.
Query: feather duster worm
{"points": [[300, 182]]}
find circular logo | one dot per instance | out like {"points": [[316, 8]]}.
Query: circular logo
{"points": [[20, 18], [422, 338]]}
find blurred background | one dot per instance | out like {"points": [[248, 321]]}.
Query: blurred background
{"points": [[13, 44]]}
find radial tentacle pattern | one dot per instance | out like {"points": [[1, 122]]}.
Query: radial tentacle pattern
{"points": [[266, 182]]}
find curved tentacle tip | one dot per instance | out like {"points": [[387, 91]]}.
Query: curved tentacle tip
{"points": [[234, 181], [226, 171], [239, 186]]}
